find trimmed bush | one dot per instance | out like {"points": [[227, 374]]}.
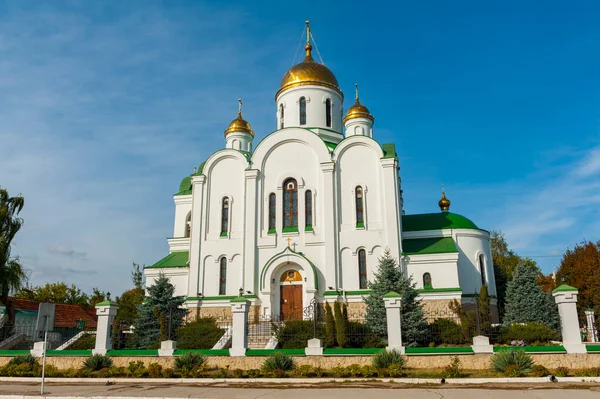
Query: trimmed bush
{"points": [[341, 325], [188, 361], [514, 370], [97, 362], [133, 366], [23, 359], [384, 359], [562, 371], [278, 361], [446, 331], [501, 360], [329, 340], [530, 333], [295, 333], [203, 333], [453, 370], [155, 370], [540, 371]]}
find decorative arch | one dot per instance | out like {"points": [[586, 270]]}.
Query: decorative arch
{"points": [[288, 255], [289, 135], [361, 141], [220, 155]]}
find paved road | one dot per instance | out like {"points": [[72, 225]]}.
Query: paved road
{"points": [[264, 391]]}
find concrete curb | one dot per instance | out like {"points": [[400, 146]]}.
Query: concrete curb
{"points": [[234, 381]]}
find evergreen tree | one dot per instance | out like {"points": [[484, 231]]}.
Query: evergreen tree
{"points": [[526, 302], [389, 277], [160, 315], [485, 315], [329, 327], [340, 325]]}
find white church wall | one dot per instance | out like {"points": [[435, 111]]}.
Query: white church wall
{"points": [[183, 206], [470, 244], [315, 107], [349, 269], [443, 269], [178, 276], [212, 269]]}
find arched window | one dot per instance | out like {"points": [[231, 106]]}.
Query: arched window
{"points": [[272, 211], [362, 269], [223, 276], [482, 269], [360, 202], [281, 114], [290, 203], [328, 112], [188, 225], [225, 216], [302, 111], [309, 211], [427, 280]]}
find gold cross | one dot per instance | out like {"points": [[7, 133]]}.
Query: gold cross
{"points": [[289, 240]]}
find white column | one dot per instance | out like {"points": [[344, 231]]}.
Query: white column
{"points": [[566, 299], [195, 276], [106, 312], [591, 322], [239, 339], [392, 205], [393, 302], [329, 226], [251, 226]]}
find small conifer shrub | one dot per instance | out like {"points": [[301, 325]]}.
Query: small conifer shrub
{"points": [[188, 361], [97, 362]]}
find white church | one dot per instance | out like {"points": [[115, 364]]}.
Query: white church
{"points": [[306, 213]]}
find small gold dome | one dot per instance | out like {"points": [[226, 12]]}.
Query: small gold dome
{"points": [[358, 111], [444, 203], [239, 125], [308, 72]]}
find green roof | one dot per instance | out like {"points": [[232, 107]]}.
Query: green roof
{"points": [[174, 259], [392, 294], [106, 303], [565, 288], [436, 221], [423, 246], [185, 187], [389, 150]]}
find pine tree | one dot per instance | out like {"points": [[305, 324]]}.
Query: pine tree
{"points": [[340, 325], [329, 327], [526, 302], [388, 278], [152, 324], [485, 315]]}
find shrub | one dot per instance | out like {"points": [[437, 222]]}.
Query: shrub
{"points": [[513, 370], [278, 361], [339, 371], [453, 370], [395, 370], [368, 371], [385, 358], [23, 359], [198, 372], [354, 370], [239, 373], [329, 340], [133, 366], [561, 371], [188, 361], [97, 362], [501, 360], [222, 373], [295, 333], [305, 370], [168, 373], [115, 372], [154, 370], [446, 331], [254, 373], [341, 325], [530, 333], [203, 333], [87, 341], [540, 371]]}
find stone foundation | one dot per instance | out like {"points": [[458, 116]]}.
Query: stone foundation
{"points": [[470, 362], [437, 309]]}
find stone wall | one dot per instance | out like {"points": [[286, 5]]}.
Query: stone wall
{"points": [[471, 362], [436, 308]]}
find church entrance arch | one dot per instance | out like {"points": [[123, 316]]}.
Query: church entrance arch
{"points": [[290, 289]]}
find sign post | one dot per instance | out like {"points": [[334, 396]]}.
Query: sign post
{"points": [[44, 357]]}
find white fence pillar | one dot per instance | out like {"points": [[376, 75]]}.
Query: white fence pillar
{"points": [[393, 302], [566, 299], [591, 325], [239, 339], [106, 312]]}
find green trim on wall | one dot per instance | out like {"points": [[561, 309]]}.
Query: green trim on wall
{"points": [[290, 229], [14, 352], [360, 225], [268, 352], [240, 299], [218, 297], [223, 234], [174, 259], [351, 351], [67, 352], [434, 351], [434, 290], [308, 227], [332, 293], [533, 349], [340, 293], [593, 348], [132, 352], [272, 231], [206, 352], [425, 246]]}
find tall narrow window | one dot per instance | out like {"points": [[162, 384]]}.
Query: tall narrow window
{"points": [[482, 269], [360, 214], [290, 203], [271, 211], [427, 280], [225, 217], [302, 111], [223, 276], [328, 112], [309, 211], [362, 269], [281, 115], [188, 225]]}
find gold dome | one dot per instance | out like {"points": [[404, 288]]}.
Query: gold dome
{"points": [[239, 125], [358, 110], [308, 72], [444, 203]]}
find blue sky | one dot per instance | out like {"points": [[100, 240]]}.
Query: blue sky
{"points": [[106, 105]]}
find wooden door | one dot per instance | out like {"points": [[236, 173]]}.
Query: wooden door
{"points": [[291, 302]]}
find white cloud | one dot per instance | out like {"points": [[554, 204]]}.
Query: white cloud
{"points": [[590, 165]]}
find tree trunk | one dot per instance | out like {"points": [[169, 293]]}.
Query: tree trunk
{"points": [[8, 327]]}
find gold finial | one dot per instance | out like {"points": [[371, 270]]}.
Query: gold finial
{"points": [[356, 86], [308, 47], [307, 32], [444, 203], [239, 107]]}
